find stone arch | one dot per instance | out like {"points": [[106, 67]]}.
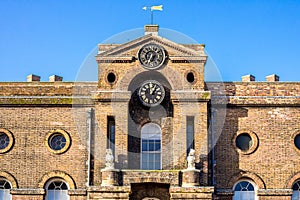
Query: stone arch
{"points": [[173, 77], [247, 175], [136, 81], [292, 180], [10, 178], [57, 174]]}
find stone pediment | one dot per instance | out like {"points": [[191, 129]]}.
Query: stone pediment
{"points": [[127, 52]]}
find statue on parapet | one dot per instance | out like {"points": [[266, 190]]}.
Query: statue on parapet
{"points": [[109, 158], [191, 159]]}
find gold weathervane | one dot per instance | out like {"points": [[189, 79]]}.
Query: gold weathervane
{"points": [[153, 8]]}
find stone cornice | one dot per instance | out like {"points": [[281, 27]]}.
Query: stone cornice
{"points": [[27, 191], [45, 100], [119, 52], [257, 100], [109, 96], [190, 96]]}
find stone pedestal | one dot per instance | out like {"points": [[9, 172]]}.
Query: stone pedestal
{"points": [[110, 177], [190, 177]]}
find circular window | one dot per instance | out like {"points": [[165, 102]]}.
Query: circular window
{"points": [[58, 141], [6, 140], [111, 77], [245, 142], [190, 77], [297, 141]]}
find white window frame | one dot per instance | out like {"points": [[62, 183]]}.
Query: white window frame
{"points": [[155, 135], [6, 192], [247, 180], [53, 180]]}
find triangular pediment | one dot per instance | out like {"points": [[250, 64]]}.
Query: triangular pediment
{"points": [[129, 50]]}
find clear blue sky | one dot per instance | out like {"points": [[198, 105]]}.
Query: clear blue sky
{"points": [[242, 37]]}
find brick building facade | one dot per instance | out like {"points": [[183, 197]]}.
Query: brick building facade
{"points": [[150, 128]]}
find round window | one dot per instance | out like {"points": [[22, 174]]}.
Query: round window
{"points": [[111, 77], [190, 77], [58, 141], [297, 141], [244, 142], [6, 140]]}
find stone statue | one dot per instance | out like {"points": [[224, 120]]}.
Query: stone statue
{"points": [[109, 158], [191, 159]]}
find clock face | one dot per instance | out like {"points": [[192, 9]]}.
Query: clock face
{"points": [[151, 56], [151, 93]]}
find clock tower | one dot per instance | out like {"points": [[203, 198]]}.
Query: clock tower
{"points": [[151, 108]]}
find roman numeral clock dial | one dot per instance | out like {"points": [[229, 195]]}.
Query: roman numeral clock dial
{"points": [[151, 56], [151, 93]]}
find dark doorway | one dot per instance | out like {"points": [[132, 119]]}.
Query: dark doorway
{"points": [[140, 191]]}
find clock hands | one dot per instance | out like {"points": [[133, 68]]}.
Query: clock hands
{"points": [[150, 59], [151, 93]]}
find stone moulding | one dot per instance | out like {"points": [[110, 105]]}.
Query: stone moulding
{"points": [[257, 100], [111, 96], [44, 100], [190, 96], [77, 192], [275, 192], [27, 191]]}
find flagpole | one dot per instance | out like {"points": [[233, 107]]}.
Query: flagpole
{"points": [[151, 17]]}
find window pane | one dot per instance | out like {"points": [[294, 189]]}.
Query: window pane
{"points": [[296, 195], [244, 195], [4, 140], [190, 144], [157, 145], [151, 157], [244, 141], [244, 186], [157, 157], [57, 195], [157, 166], [57, 141], [151, 146], [144, 145], [297, 141], [296, 186]]}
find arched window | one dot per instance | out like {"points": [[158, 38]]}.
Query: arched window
{"points": [[244, 190], [296, 190], [151, 146], [5, 187], [57, 189]]}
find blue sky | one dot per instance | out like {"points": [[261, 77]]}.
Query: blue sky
{"points": [[241, 37]]}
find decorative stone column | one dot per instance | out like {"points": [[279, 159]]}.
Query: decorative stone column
{"points": [[191, 175], [110, 175]]}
